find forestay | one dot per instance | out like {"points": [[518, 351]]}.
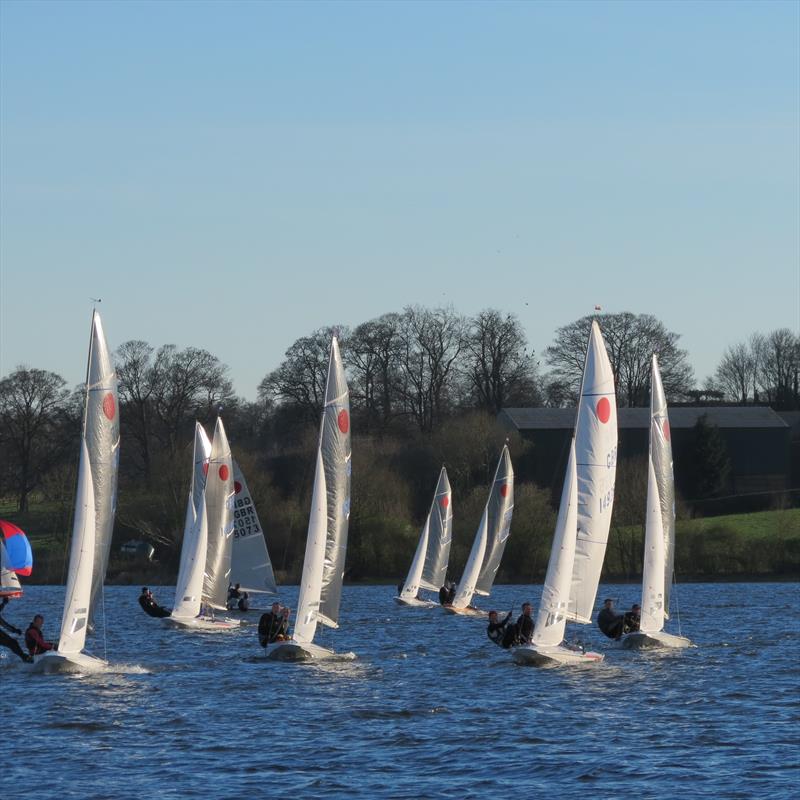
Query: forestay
{"points": [[596, 465], [551, 619], [250, 563], [219, 508]]}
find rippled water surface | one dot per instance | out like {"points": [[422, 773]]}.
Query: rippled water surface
{"points": [[430, 708]]}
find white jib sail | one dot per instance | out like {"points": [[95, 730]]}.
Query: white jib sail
{"points": [[411, 586], [311, 581], [8, 578], [466, 586], [440, 535], [661, 458], [653, 574], [250, 563], [81, 562], [596, 463], [200, 456], [189, 588], [551, 619]]}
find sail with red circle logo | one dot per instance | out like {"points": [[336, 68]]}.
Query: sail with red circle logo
{"points": [[326, 541], [596, 468], [16, 559], [219, 515]]}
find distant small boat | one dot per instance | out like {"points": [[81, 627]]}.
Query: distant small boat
{"points": [[326, 542], [16, 559], [95, 504], [205, 554], [659, 537], [429, 567], [489, 543]]}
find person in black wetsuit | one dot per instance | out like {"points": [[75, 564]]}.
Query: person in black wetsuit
{"points": [[525, 624], [500, 632], [444, 594], [631, 620], [244, 602], [609, 622], [149, 605], [9, 641], [274, 625]]}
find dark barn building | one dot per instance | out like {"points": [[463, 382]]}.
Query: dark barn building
{"points": [[756, 438]]}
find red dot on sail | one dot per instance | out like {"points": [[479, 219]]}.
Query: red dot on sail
{"points": [[445, 501], [109, 406], [237, 487], [343, 421], [223, 472], [603, 410], [504, 490], [665, 428]]}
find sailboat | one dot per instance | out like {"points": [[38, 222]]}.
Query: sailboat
{"points": [[202, 584], [489, 543], [429, 567], [326, 542], [251, 567], [15, 559], [584, 517], [659, 536], [95, 505]]}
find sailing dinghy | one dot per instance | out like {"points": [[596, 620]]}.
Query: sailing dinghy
{"points": [[579, 543], [489, 543], [95, 505], [326, 542], [16, 559], [659, 536], [429, 567], [202, 583]]}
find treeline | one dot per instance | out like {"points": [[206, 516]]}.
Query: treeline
{"points": [[426, 386]]}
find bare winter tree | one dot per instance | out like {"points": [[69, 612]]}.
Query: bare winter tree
{"points": [[299, 381], [134, 366], [779, 368], [373, 362], [631, 341], [498, 368], [33, 405], [431, 341]]}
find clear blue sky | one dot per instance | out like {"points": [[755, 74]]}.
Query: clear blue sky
{"points": [[235, 175]]}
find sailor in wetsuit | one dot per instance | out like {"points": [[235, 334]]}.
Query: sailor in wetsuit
{"points": [[500, 632], [149, 605], [34, 640], [274, 625], [525, 624], [8, 641], [631, 620], [609, 622]]}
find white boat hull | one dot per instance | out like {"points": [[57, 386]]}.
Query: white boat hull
{"points": [[552, 655], [204, 623], [52, 662], [639, 640], [414, 602], [466, 612]]}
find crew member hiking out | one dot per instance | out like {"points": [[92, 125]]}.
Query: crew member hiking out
{"points": [[500, 632], [9, 641], [274, 625], [609, 622], [34, 640], [149, 605]]}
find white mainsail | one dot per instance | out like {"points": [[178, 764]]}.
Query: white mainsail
{"points": [[491, 536], [652, 615], [551, 619], [661, 459], [250, 563], [429, 566], [596, 463], [219, 508], [326, 543]]}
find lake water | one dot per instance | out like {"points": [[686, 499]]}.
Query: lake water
{"points": [[429, 709]]}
